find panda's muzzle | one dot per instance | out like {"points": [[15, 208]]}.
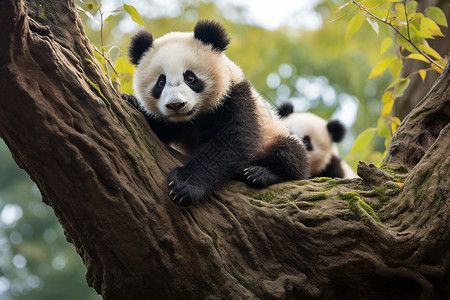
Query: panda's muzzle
{"points": [[175, 106]]}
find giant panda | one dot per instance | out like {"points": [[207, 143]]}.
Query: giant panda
{"points": [[197, 100], [319, 137]]}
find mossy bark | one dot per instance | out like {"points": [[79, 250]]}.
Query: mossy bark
{"points": [[103, 171]]}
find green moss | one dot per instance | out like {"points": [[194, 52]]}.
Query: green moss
{"points": [[316, 197], [87, 61], [320, 179], [296, 195], [369, 210], [358, 187], [357, 205], [97, 89], [348, 196], [40, 10], [268, 196]]}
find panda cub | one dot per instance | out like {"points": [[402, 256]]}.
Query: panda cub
{"points": [[319, 137], [198, 101]]}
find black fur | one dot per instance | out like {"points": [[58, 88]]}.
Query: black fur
{"points": [[337, 130], [197, 85], [285, 109], [286, 160], [139, 44], [159, 86], [223, 143], [333, 169], [212, 33], [307, 142]]}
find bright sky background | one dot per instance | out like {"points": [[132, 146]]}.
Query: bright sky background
{"points": [[270, 14]]}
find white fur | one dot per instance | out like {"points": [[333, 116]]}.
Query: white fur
{"points": [[172, 55], [302, 124]]}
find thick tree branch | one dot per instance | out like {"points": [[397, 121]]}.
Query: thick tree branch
{"points": [[103, 171]]}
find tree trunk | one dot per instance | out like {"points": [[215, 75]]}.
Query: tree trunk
{"points": [[102, 170]]}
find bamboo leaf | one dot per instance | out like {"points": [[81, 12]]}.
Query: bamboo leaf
{"points": [[363, 139], [353, 26], [381, 66], [135, 16], [437, 15]]}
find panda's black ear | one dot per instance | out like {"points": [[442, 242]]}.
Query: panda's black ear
{"points": [[140, 42], [336, 130], [212, 33], [285, 109]]}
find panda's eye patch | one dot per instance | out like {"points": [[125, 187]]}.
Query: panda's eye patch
{"points": [[195, 83], [161, 80], [159, 86], [189, 77], [307, 142]]}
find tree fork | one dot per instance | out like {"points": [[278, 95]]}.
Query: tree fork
{"points": [[102, 170]]}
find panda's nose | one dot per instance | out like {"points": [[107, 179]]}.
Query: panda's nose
{"points": [[176, 106]]}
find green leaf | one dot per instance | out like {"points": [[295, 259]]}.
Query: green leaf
{"points": [[411, 6], [400, 88], [400, 9], [388, 101], [418, 56], [387, 42], [428, 28], [381, 66], [135, 16], [428, 50], [423, 74], [436, 14], [363, 139], [374, 24], [382, 129], [109, 18], [353, 26], [371, 4], [396, 67]]}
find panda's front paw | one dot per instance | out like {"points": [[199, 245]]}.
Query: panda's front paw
{"points": [[183, 189], [130, 99], [260, 177]]}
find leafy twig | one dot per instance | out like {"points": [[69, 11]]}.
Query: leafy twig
{"points": [[408, 39]]}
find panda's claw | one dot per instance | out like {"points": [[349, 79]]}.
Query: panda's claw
{"points": [[181, 200], [170, 184]]}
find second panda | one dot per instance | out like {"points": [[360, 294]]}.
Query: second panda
{"points": [[319, 137], [199, 101]]}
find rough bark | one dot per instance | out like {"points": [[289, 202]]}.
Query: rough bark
{"points": [[102, 170]]}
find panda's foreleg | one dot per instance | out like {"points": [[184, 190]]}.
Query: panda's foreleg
{"points": [[286, 159], [209, 167]]}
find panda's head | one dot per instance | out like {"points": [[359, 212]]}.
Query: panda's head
{"points": [[317, 134], [182, 74]]}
